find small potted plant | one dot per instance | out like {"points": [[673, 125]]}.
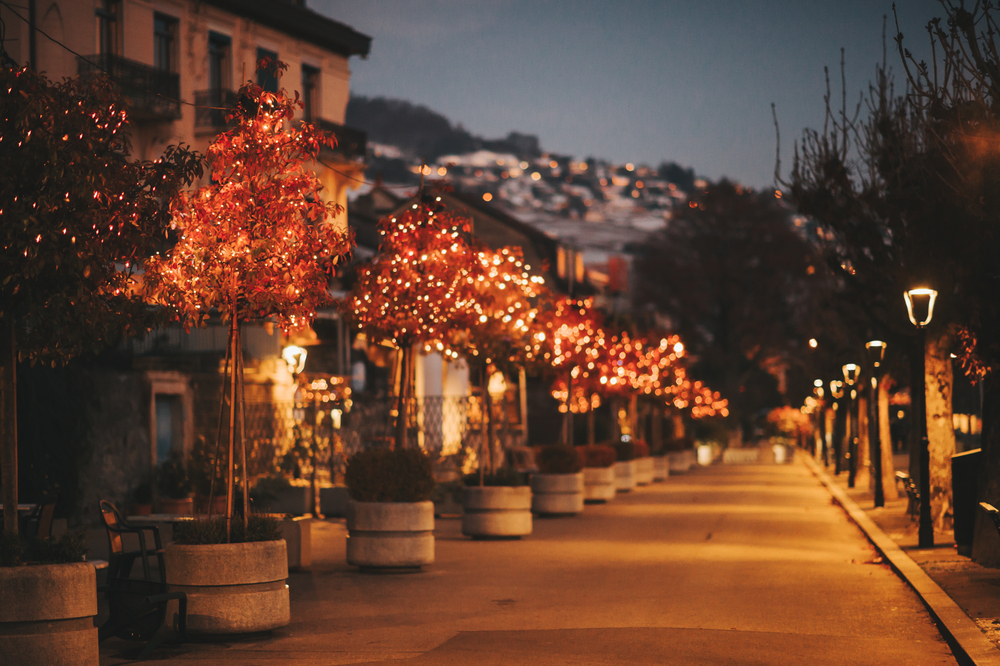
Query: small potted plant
{"points": [[598, 473], [497, 505], [557, 488], [175, 486], [643, 463], [390, 518], [219, 577], [625, 466], [142, 499]]}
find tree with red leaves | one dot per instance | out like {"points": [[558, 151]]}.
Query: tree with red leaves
{"points": [[258, 241]]}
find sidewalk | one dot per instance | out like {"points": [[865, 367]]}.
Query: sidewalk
{"points": [[963, 597]]}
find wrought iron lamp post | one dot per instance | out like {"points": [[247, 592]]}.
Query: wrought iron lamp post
{"points": [[851, 371], [821, 419], [920, 309], [837, 392], [876, 354]]}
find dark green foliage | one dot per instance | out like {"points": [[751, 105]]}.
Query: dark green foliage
{"points": [[172, 477], [201, 468], [624, 451], [259, 528], [678, 444], [505, 476], [384, 475], [558, 459], [267, 489], [143, 493], [597, 455], [14, 551]]}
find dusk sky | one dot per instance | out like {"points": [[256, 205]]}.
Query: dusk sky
{"points": [[639, 81]]}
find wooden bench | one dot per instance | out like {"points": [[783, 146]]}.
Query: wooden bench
{"points": [[911, 492]]}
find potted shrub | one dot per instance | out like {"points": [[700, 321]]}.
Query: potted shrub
{"points": [[220, 578], [557, 488], [496, 505], [48, 600], [625, 467], [142, 499], [175, 486], [598, 473], [390, 519], [643, 463]]}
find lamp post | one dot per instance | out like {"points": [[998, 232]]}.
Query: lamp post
{"points": [[837, 392], [820, 418], [920, 309], [851, 371], [876, 354]]}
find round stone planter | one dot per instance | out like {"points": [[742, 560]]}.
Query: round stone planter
{"points": [[625, 476], [47, 615], [390, 535], [232, 588], [643, 471], [496, 511], [598, 484], [661, 468], [557, 494]]}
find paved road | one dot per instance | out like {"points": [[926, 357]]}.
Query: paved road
{"points": [[724, 565]]}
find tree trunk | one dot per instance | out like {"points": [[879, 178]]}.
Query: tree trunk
{"points": [[244, 470], [590, 427], [633, 416], [888, 468], [491, 426], [829, 425], [616, 426], [839, 435], [8, 422], [939, 378], [404, 394], [656, 428], [863, 476], [678, 421], [986, 542]]}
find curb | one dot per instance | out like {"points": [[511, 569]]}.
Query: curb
{"points": [[962, 634]]}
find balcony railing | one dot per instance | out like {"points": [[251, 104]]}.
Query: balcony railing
{"points": [[212, 107], [153, 93], [351, 143]]}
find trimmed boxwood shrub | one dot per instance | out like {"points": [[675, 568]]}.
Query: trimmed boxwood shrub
{"points": [[624, 451], [16, 551], [384, 475], [505, 476], [640, 448], [203, 532], [558, 459], [597, 455]]}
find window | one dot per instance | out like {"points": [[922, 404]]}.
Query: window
{"points": [[107, 13], [310, 92], [267, 79], [165, 42], [169, 426], [219, 58]]}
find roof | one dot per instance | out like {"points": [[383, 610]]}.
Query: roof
{"points": [[302, 23]]}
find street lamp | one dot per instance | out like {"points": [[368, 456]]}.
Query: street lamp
{"points": [[837, 392], [920, 309], [876, 354], [821, 419], [851, 371]]}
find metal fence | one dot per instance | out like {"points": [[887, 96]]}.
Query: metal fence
{"points": [[294, 436]]}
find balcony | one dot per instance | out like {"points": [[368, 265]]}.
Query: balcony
{"points": [[153, 93], [351, 143], [213, 118]]}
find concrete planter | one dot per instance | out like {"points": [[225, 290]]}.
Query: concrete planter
{"points": [[680, 461], [47, 615], [297, 533], [643, 471], [557, 494], [661, 468], [390, 535], [598, 484], [232, 588], [497, 511], [625, 477]]}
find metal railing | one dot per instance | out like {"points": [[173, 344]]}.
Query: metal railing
{"points": [[154, 93], [223, 101]]}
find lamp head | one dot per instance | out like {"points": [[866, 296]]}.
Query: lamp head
{"points": [[837, 389], [876, 351], [920, 305], [851, 373], [295, 357]]}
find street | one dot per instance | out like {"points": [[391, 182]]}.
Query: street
{"points": [[724, 565]]}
